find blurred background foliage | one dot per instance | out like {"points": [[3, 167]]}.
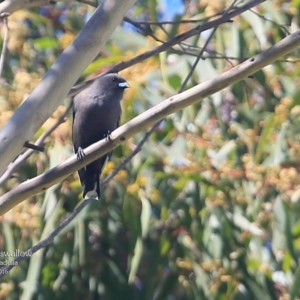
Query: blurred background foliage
{"points": [[209, 209]]}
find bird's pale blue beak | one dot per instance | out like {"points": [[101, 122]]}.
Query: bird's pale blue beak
{"points": [[124, 85]]}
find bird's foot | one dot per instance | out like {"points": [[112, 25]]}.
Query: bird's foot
{"points": [[80, 153], [107, 136]]}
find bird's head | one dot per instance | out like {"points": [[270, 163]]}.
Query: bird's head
{"points": [[119, 81], [108, 87], [114, 81]]}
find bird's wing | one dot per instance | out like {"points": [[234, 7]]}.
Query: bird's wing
{"points": [[81, 172], [82, 175], [75, 146]]}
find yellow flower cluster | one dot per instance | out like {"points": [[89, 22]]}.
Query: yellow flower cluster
{"points": [[282, 110], [26, 216], [12, 96], [135, 187]]}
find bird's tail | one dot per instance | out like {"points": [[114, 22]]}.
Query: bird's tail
{"points": [[92, 177], [92, 186]]}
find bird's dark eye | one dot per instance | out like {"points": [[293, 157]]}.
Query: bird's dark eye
{"points": [[114, 79]]}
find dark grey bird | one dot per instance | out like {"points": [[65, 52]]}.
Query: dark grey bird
{"points": [[96, 113]]}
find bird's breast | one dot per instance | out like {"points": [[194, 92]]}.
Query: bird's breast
{"points": [[93, 122]]}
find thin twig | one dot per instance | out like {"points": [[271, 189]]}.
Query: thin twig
{"points": [[22, 157], [129, 157], [48, 240], [187, 78], [174, 41], [142, 29], [282, 26], [198, 48], [35, 147], [211, 54], [160, 23], [91, 3], [181, 37], [5, 42], [186, 52], [203, 49]]}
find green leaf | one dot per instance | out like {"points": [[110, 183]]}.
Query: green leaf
{"points": [[135, 261], [294, 291], [264, 138], [145, 215], [46, 43]]}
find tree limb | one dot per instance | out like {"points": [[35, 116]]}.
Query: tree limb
{"points": [[149, 117], [10, 6]]}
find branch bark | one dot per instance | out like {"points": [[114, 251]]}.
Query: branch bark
{"points": [[10, 6], [154, 114], [57, 82]]}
